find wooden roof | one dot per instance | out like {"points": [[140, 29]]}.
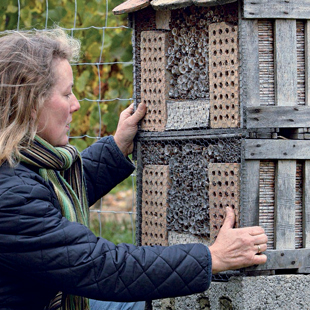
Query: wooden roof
{"points": [[136, 5]]}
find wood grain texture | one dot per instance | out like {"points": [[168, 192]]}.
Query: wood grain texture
{"points": [[288, 9], [278, 116], [285, 204], [306, 205], [250, 194], [285, 62], [276, 149], [249, 75], [307, 62]]}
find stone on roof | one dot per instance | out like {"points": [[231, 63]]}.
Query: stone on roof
{"points": [[175, 4], [131, 6], [136, 5]]}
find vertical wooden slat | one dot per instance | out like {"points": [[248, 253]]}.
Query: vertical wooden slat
{"points": [[163, 19], [285, 204], [299, 206], [250, 193], [307, 61], [285, 62], [250, 62], [306, 205]]}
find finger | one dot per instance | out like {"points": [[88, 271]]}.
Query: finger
{"points": [[229, 221], [253, 230], [139, 113], [260, 239], [128, 111], [259, 248], [259, 259]]}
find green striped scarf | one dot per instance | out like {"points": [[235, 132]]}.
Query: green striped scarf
{"points": [[62, 166]]}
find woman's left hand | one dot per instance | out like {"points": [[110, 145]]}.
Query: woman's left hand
{"points": [[127, 127]]}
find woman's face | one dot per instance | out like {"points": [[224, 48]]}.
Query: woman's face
{"points": [[56, 115]]}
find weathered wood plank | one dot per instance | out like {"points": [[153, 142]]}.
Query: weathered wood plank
{"points": [[281, 117], [288, 9], [249, 215], [307, 62], [285, 62], [286, 259], [276, 149], [163, 19], [131, 6], [249, 63], [285, 204], [306, 205]]}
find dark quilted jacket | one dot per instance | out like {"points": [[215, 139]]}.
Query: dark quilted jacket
{"points": [[42, 253]]}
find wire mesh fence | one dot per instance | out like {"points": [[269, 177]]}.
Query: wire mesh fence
{"points": [[103, 79]]}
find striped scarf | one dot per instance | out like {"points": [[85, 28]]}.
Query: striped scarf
{"points": [[62, 166]]}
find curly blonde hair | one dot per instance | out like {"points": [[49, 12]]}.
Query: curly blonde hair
{"points": [[26, 79]]}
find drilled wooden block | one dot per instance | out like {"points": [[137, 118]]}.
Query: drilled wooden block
{"points": [[224, 76], [155, 180], [187, 114], [154, 79], [224, 190]]}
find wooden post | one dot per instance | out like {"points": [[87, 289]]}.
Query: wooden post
{"points": [[249, 63], [250, 193], [285, 62], [285, 204], [307, 61], [306, 205]]}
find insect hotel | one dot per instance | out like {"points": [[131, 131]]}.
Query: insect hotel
{"points": [[226, 84]]}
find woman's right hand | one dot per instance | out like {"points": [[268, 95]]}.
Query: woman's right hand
{"points": [[236, 248]]}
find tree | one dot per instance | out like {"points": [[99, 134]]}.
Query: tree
{"points": [[100, 76]]}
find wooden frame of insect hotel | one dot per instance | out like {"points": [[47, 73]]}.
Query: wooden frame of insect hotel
{"points": [[226, 84]]}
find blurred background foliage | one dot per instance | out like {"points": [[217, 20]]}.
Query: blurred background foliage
{"points": [[103, 83], [102, 77]]}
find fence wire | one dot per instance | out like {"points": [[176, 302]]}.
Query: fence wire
{"points": [[46, 17]]}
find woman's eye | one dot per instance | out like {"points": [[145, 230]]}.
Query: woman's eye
{"points": [[68, 95]]}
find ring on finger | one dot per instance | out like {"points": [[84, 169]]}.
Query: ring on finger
{"points": [[258, 249]]}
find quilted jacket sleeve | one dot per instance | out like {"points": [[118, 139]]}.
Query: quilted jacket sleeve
{"points": [[104, 166], [37, 243]]}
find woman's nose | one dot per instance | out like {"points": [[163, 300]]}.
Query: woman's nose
{"points": [[75, 106]]}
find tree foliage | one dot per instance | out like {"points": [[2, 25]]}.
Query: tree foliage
{"points": [[101, 79]]}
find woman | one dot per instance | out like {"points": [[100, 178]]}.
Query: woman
{"points": [[48, 256]]}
